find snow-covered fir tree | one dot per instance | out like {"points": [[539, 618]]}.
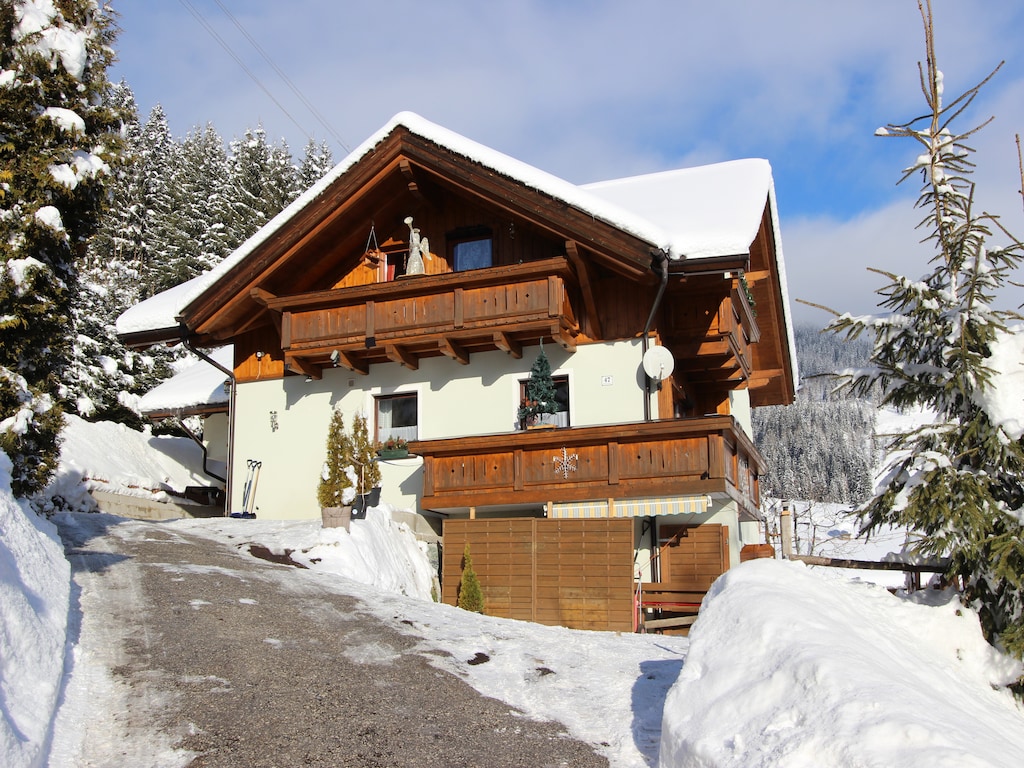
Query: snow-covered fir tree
{"points": [[261, 181], [58, 142], [176, 208], [317, 160], [106, 379], [959, 481], [190, 230]]}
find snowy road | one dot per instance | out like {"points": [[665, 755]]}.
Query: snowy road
{"points": [[190, 653]]}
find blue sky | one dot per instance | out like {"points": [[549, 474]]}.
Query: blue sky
{"points": [[605, 89]]}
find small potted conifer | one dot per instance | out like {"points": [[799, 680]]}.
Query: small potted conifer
{"points": [[338, 480], [364, 456]]}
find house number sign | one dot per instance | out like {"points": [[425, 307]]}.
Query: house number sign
{"points": [[565, 463]]}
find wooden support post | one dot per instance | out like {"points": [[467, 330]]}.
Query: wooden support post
{"points": [[786, 531]]}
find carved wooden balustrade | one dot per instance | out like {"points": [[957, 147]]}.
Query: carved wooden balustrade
{"points": [[707, 455], [453, 314]]}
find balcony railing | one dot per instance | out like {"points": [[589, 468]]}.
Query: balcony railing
{"points": [[707, 455], [453, 314]]}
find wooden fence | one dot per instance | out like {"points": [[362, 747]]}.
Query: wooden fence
{"points": [[574, 573]]}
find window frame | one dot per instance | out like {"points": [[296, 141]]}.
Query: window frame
{"points": [[404, 431], [465, 236], [560, 380]]}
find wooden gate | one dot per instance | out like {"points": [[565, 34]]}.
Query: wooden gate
{"points": [[696, 555], [570, 573]]}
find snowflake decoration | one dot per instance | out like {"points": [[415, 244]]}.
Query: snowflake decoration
{"points": [[565, 463]]}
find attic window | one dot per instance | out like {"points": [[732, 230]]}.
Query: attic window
{"points": [[471, 249]]}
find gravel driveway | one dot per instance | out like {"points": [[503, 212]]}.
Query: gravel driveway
{"points": [[195, 654]]}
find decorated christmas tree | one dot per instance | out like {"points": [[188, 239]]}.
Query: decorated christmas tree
{"points": [[540, 389]]}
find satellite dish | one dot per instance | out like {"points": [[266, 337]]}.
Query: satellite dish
{"points": [[658, 363]]}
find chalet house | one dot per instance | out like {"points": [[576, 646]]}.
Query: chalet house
{"points": [[417, 283]]}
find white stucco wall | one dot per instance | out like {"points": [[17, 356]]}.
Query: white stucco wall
{"points": [[283, 422], [739, 407], [215, 436]]}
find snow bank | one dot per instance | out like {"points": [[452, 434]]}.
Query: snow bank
{"points": [[375, 551], [112, 457], [34, 595], [794, 667]]}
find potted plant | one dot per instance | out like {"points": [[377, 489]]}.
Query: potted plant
{"points": [[364, 456], [540, 398], [337, 487], [394, 448]]}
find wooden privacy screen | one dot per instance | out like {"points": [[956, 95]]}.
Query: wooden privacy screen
{"points": [[570, 573], [696, 555]]}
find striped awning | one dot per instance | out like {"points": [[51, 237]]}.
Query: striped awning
{"points": [[662, 505]]}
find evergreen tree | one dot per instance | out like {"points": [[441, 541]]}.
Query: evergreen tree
{"points": [[364, 450], [262, 180], [541, 396], [471, 594], [959, 481], [106, 379], [57, 145], [317, 160], [191, 222], [336, 487]]}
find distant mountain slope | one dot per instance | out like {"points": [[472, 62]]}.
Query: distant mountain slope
{"points": [[821, 448]]}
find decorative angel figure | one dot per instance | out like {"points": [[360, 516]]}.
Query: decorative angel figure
{"points": [[418, 248]]}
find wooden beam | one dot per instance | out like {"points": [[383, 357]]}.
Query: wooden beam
{"points": [[505, 342], [402, 356], [345, 360], [563, 338], [303, 367], [765, 377], [406, 168], [586, 287], [757, 275], [454, 350], [261, 296]]}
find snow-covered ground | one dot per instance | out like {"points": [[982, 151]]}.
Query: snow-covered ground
{"points": [[787, 666]]}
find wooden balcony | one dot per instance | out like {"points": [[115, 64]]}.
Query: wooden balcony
{"points": [[453, 314], [707, 455], [711, 335]]}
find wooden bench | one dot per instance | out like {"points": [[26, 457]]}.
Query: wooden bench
{"points": [[675, 608]]}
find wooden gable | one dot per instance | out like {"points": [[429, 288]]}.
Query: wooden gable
{"points": [[321, 245], [316, 290]]}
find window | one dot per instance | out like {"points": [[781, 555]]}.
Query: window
{"points": [[473, 252], [394, 265], [397, 416], [561, 416]]}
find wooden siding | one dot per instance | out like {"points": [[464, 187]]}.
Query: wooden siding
{"points": [[571, 573], [673, 457]]}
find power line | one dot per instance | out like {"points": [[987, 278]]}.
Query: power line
{"points": [[213, 33], [294, 89]]}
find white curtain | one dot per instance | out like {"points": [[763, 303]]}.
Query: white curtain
{"points": [[386, 413]]}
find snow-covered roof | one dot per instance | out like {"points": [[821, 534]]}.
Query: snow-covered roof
{"points": [[198, 386], [711, 210], [703, 212]]}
